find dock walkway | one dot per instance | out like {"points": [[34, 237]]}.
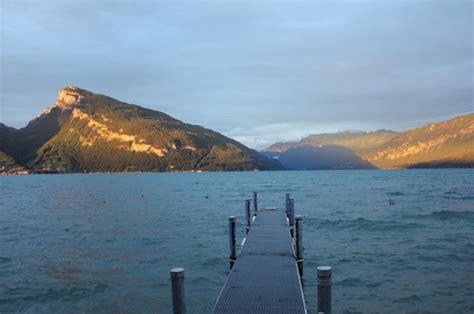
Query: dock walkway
{"points": [[265, 277]]}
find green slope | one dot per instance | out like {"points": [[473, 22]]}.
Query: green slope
{"points": [[6, 162]]}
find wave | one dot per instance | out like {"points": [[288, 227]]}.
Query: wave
{"points": [[349, 282], [211, 262], [4, 260], [363, 224], [445, 215], [411, 298], [454, 196], [452, 192], [396, 193], [429, 247], [357, 282]]}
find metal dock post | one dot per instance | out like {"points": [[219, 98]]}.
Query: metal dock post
{"points": [[232, 241], [177, 290], [292, 217], [247, 216], [324, 289], [255, 204], [299, 243]]}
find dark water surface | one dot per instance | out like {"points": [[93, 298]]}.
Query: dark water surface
{"points": [[105, 242]]}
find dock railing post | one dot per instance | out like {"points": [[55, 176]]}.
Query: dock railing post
{"points": [[232, 241], [324, 289], [292, 217], [255, 204], [299, 243], [247, 216], [177, 290], [287, 205]]}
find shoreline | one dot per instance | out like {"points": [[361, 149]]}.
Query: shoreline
{"points": [[28, 172]]}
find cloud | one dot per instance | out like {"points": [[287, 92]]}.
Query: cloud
{"points": [[245, 68]]}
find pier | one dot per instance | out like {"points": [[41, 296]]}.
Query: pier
{"points": [[265, 277]]}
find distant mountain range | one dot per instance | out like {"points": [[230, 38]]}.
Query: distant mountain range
{"points": [[445, 144], [308, 157], [360, 141], [87, 132]]}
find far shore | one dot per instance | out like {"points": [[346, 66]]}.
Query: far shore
{"points": [[28, 172]]}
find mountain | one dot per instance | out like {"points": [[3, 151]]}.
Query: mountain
{"points": [[7, 162], [6, 141], [280, 147], [444, 144], [316, 158], [358, 141], [87, 132], [329, 151]]}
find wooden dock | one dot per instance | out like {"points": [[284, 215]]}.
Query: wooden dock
{"points": [[265, 276]]}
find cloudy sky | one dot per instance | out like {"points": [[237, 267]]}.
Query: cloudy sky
{"points": [[258, 71]]}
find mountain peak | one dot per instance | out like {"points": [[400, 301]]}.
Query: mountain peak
{"points": [[70, 97], [86, 131]]}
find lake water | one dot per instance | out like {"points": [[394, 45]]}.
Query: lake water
{"points": [[106, 242]]}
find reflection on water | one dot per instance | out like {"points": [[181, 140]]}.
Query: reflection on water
{"points": [[80, 243]]}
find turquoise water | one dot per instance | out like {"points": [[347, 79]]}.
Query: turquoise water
{"points": [[106, 242]]}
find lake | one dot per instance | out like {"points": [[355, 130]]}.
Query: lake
{"points": [[106, 242]]}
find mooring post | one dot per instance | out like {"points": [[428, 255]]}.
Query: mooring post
{"points": [[292, 217], [232, 241], [287, 205], [299, 243], [177, 290], [324, 289], [247, 216], [255, 206]]}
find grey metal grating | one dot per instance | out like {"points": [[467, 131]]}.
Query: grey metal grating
{"points": [[265, 278]]}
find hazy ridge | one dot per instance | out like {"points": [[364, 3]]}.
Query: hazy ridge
{"points": [[445, 144]]}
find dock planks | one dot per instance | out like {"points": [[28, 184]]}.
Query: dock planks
{"points": [[265, 277]]}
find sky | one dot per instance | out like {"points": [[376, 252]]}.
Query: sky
{"points": [[257, 71]]}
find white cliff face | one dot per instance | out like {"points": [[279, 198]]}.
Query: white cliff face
{"points": [[128, 142], [70, 97]]}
